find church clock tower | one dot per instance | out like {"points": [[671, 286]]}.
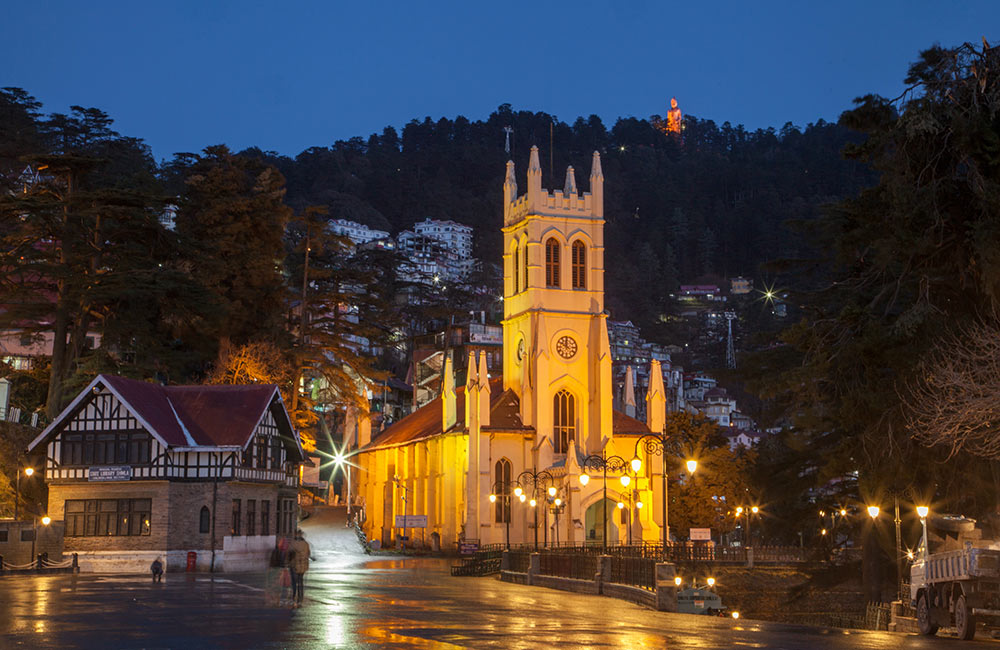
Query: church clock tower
{"points": [[556, 353]]}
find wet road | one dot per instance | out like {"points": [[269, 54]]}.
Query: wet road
{"points": [[354, 602]]}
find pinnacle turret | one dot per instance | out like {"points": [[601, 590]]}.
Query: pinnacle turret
{"points": [[570, 187]]}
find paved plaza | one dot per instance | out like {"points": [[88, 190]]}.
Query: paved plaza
{"points": [[355, 601]]}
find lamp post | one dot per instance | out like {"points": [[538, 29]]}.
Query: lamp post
{"points": [[28, 471], [501, 490], [400, 484], [657, 443], [534, 480], [34, 533], [603, 463]]}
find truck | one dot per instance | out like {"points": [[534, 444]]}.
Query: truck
{"points": [[955, 577]]}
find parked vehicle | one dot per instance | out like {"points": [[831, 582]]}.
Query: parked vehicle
{"points": [[955, 577]]}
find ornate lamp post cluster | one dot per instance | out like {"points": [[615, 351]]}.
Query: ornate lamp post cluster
{"points": [[922, 511], [659, 444], [604, 464], [530, 486]]}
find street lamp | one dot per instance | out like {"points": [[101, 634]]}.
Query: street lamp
{"points": [[873, 512], [501, 489], [34, 533], [539, 482], [657, 443], [604, 463], [28, 471], [922, 512]]}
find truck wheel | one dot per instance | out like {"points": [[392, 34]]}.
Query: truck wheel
{"points": [[965, 622], [927, 626]]}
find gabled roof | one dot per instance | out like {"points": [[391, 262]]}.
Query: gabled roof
{"points": [[622, 424], [505, 415], [188, 416]]}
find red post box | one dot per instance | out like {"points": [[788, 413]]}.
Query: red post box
{"points": [[192, 564]]}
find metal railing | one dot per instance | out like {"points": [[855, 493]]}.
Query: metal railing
{"points": [[519, 560], [568, 565], [682, 552], [634, 571]]}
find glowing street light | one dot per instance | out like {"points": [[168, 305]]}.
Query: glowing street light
{"points": [[584, 479], [533, 503], [754, 509], [873, 511], [552, 491], [522, 497], [621, 506], [736, 615], [692, 466], [638, 504], [923, 511], [711, 582], [636, 465], [678, 581], [28, 471], [493, 498], [518, 492], [46, 520], [739, 511], [626, 480]]}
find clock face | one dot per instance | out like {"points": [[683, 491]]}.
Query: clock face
{"points": [[566, 347], [520, 350]]}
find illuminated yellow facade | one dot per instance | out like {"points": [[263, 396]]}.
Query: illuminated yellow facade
{"points": [[458, 459]]}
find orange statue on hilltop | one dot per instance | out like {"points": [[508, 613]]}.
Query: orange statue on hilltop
{"points": [[674, 118]]}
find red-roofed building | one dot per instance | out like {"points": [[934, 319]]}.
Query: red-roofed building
{"points": [[137, 470]]}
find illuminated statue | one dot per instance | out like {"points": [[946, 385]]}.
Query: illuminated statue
{"points": [[674, 117]]}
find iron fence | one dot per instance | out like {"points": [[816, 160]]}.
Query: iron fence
{"points": [[519, 560], [568, 565], [634, 571]]}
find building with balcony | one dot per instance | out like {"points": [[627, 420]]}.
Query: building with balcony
{"points": [[137, 470]]}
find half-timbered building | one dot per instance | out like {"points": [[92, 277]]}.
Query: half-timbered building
{"points": [[137, 470]]}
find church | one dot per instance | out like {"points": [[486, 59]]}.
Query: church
{"points": [[505, 459]]}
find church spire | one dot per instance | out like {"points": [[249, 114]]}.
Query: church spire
{"points": [[570, 188], [629, 392], [534, 179], [509, 189], [597, 185]]}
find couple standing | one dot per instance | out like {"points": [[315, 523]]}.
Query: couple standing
{"points": [[291, 561]]}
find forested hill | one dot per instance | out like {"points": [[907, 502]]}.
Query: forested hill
{"points": [[715, 202]]}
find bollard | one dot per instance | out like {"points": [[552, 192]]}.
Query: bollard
{"points": [[38, 561], [603, 571], [1, 564], [534, 566], [76, 563], [505, 561]]}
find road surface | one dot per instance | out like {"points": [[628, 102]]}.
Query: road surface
{"points": [[356, 601]]}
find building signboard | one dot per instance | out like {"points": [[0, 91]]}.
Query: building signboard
{"points": [[110, 473], [468, 547], [700, 534], [485, 334], [411, 521]]}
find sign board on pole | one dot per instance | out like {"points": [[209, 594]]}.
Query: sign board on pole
{"points": [[411, 521], [110, 473], [468, 547], [700, 534]]}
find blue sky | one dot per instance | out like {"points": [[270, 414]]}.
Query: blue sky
{"points": [[289, 75]]}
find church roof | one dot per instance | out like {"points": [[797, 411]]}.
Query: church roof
{"points": [[622, 424], [505, 415]]}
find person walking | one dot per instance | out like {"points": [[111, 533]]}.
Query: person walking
{"points": [[157, 569], [299, 564]]}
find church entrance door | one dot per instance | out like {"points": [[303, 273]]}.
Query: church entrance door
{"points": [[593, 529]]}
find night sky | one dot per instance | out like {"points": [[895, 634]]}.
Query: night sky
{"points": [[289, 75]]}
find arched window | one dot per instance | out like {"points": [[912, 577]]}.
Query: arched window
{"points": [[501, 488], [517, 267], [552, 263], [579, 265], [525, 266], [204, 520], [563, 420]]}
